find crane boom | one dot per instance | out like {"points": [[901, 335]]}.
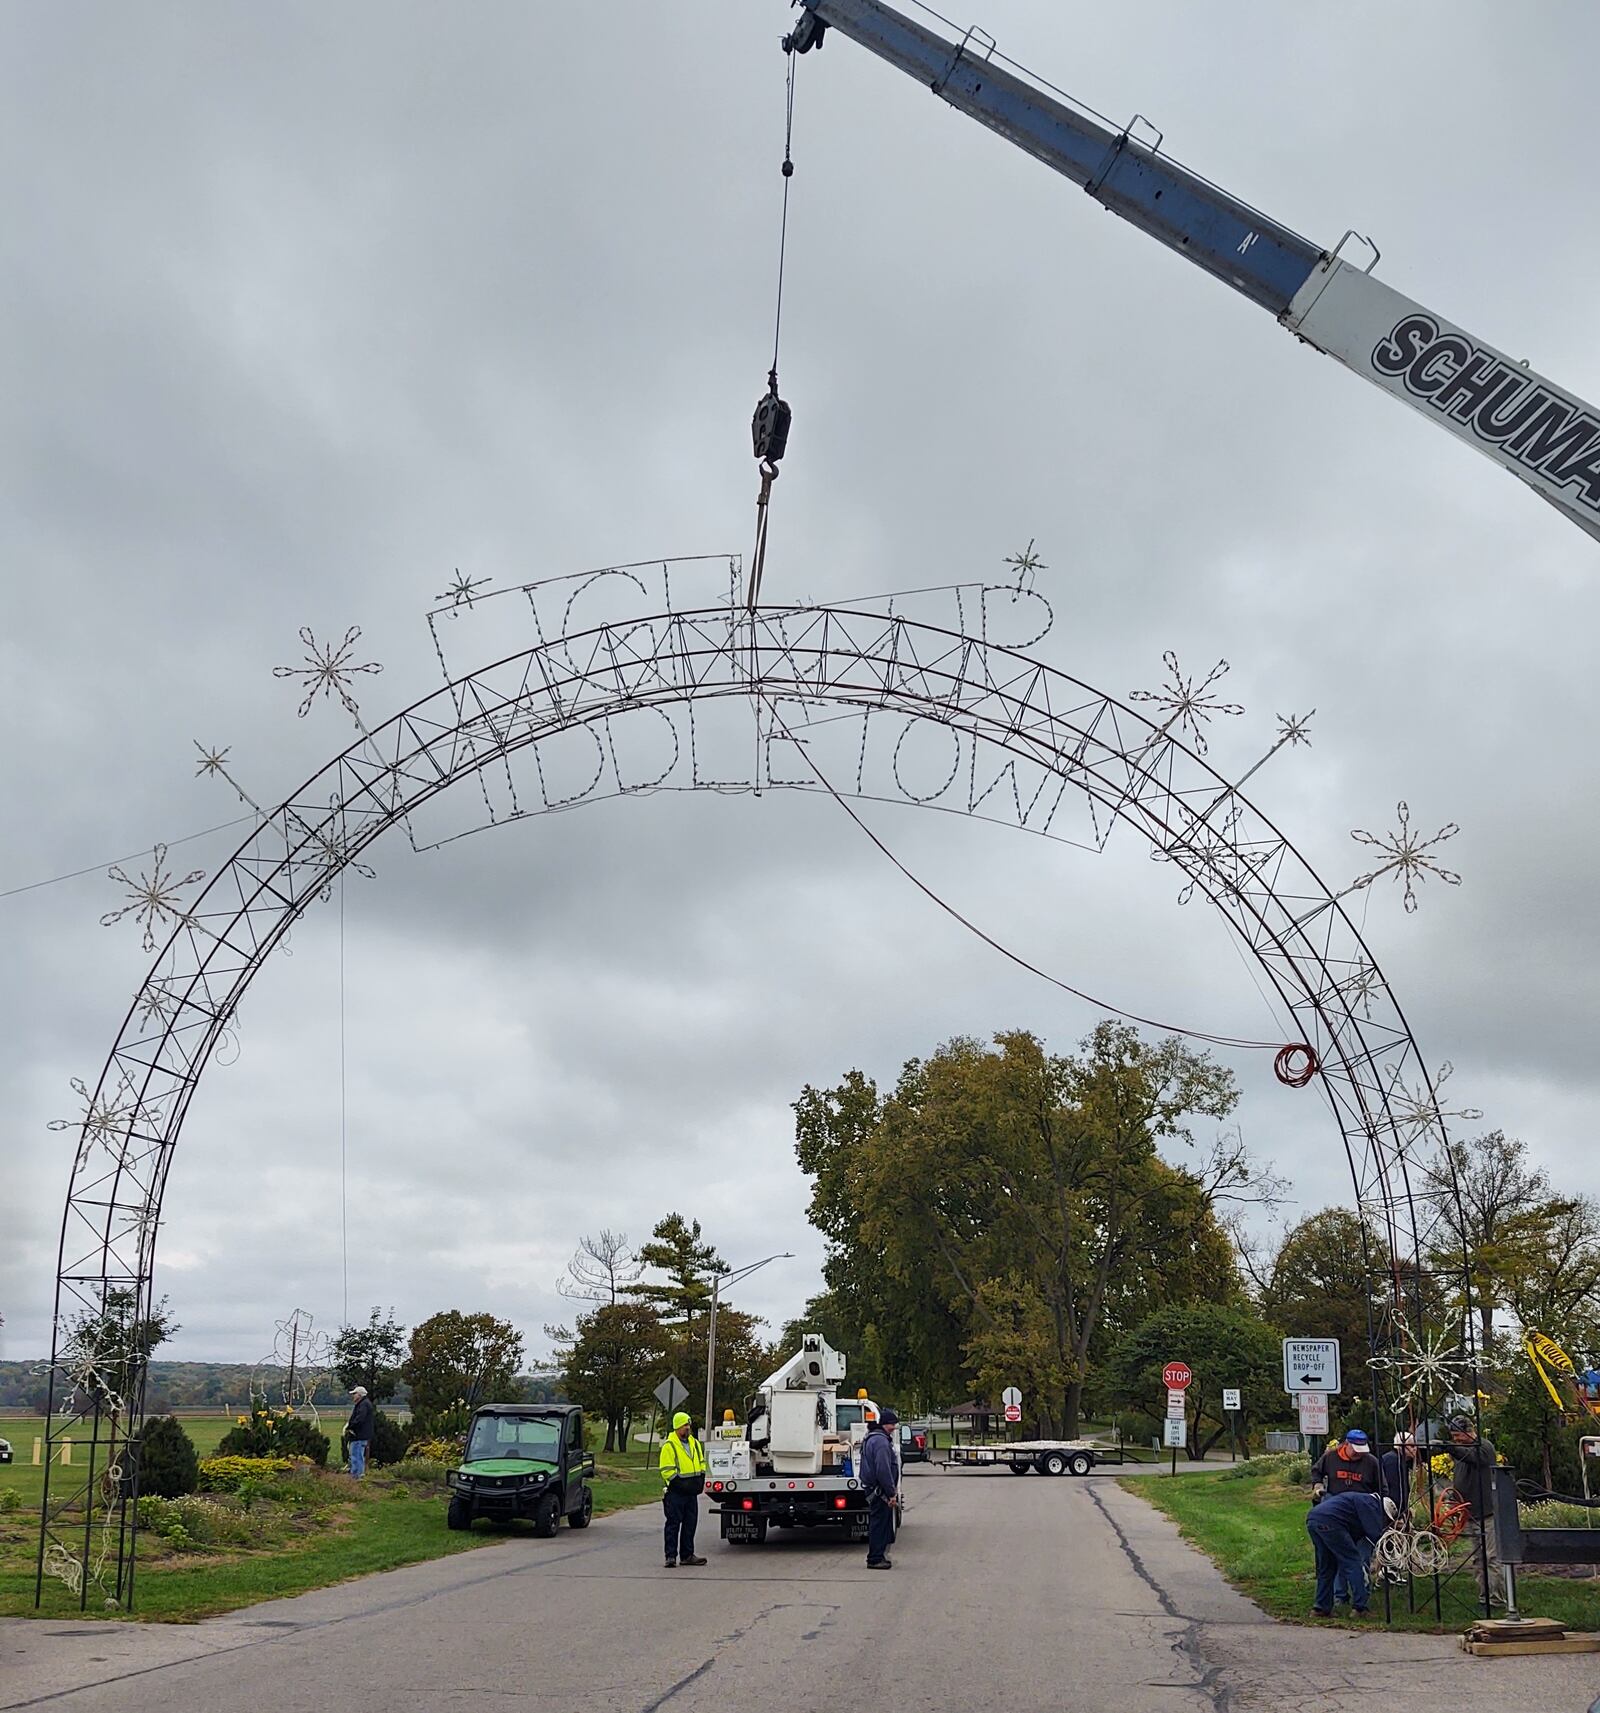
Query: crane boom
{"points": [[1544, 435]]}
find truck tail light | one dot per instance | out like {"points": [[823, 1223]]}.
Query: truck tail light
{"points": [[840, 1502], [747, 1504], [716, 1486]]}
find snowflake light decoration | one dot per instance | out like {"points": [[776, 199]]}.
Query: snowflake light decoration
{"points": [[328, 669], [1419, 1110], [153, 897], [1292, 729], [1361, 987], [1189, 705], [1025, 564], [461, 592], [1423, 1369], [1214, 851], [1407, 854], [105, 1119], [158, 1003]]}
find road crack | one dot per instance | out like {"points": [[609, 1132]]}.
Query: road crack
{"points": [[1188, 1642]]}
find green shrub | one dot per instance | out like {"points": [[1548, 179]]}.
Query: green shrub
{"points": [[446, 1451], [1294, 1467], [10, 1500], [388, 1442], [274, 1433], [164, 1458], [228, 1474]]}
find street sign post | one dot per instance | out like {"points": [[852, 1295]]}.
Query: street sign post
{"points": [[1175, 1404], [1313, 1408], [1176, 1433], [1230, 1404], [1176, 1375], [670, 1393], [1311, 1365]]}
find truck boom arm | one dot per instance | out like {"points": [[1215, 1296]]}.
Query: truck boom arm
{"points": [[1545, 436]]}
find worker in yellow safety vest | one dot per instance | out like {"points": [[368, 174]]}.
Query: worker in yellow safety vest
{"points": [[683, 1477]]}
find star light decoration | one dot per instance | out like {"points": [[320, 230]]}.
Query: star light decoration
{"points": [[153, 897], [1407, 854], [328, 669], [1189, 705], [1214, 850], [461, 592]]}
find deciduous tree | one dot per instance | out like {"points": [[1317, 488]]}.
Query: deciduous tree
{"points": [[457, 1361], [611, 1361]]}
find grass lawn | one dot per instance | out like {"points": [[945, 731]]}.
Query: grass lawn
{"points": [[1255, 1531], [306, 1532]]}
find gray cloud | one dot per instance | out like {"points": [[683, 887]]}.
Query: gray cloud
{"points": [[304, 309]]}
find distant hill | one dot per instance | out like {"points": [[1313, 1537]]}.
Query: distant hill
{"points": [[214, 1385]]}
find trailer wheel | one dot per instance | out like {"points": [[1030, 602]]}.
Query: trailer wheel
{"points": [[1052, 1463], [1019, 1468], [1080, 1463]]}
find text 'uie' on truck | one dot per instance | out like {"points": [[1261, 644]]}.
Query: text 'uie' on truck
{"points": [[794, 1462]]}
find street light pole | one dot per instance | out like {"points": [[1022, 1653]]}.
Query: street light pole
{"points": [[732, 1277]]}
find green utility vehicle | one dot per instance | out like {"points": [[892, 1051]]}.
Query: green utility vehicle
{"points": [[524, 1460]]}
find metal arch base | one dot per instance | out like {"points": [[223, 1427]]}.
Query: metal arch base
{"points": [[856, 684]]}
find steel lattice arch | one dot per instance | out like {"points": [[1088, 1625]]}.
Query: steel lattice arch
{"points": [[883, 702]]}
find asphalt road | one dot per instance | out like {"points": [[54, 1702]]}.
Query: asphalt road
{"points": [[1026, 1595]]}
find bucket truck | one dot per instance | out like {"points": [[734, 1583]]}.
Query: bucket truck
{"points": [[793, 1463]]}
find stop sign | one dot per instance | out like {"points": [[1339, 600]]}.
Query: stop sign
{"points": [[1177, 1375]]}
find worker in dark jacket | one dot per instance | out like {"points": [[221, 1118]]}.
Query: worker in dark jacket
{"points": [[1472, 1475], [358, 1430], [1348, 1467], [1343, 1529], [879, 1471], [1398, 1466]]}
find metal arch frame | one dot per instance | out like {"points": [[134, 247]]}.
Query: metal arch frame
{"points": [[1132, 771]]}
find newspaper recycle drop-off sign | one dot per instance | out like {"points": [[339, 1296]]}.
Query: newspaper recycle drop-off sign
{"points": [[1311, 1365]]}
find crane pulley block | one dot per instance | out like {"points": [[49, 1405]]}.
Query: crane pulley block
{"points": [[769, 427]]}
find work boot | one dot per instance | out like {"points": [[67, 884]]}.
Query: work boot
{"points": [[880, 1564], [672, 1564], [691, 1559]]}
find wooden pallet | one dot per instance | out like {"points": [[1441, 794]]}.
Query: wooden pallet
{"points": [[1494, 1638]]}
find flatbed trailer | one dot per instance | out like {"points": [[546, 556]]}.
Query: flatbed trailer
{"points": [[1048, 1456]]}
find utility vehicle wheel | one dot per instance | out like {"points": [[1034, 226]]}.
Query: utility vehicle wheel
{"points": [[1052, 1463], [1080, 1463], [1019, 1468], [459, 1516], [546, 1514], [581, 1518]]}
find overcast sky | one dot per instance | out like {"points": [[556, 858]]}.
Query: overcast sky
{"points": [[304, 307]]}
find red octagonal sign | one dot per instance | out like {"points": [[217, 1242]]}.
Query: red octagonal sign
{"points": [[1177, 1375]]}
